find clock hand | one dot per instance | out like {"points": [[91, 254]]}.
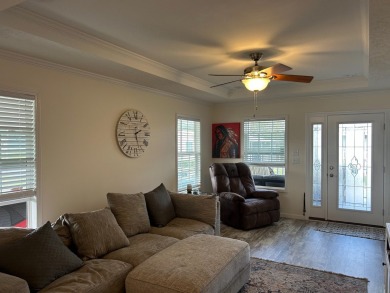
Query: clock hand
{"points": [[136, 137]]}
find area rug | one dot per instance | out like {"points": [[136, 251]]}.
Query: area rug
{"points": [[376, 233], [268, 276]]}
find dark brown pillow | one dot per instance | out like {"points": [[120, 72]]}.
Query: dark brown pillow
{"points": [[39, 258], [130, 212], [95, 233], [160, 207]]}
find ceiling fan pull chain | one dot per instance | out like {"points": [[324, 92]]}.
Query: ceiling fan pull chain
{"points": [[256, 98], [254, 103]]}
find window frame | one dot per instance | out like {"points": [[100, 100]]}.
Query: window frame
{"points": [[30, 197], [286, 157], [196, 184]]}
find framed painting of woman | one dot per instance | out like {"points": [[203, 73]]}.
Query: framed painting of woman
{"points": [[226, 140]]}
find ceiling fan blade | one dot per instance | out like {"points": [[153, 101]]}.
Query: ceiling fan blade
{"points": [[225, 83], [296, 78], [225, 74], [277, 68]]}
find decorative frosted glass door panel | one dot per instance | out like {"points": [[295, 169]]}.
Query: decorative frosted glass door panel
{"points": [[317, 165], [355, 168], [355, 164]]}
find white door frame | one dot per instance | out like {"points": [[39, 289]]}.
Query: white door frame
{"points": [[321, 118]]}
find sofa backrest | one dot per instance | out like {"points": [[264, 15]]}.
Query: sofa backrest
{"points": [[10, 234], [203, 208]]}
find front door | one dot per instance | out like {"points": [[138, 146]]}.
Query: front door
{"points": [[355, 163]]}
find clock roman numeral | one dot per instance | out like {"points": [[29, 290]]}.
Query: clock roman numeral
{"points": [[146, 143], [122, 133], [147, 133], [128, 116], [146, 125], [135, 113], [128, 151], [123, 143]]}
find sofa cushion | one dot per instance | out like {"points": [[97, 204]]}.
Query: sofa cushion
{"points": [[197, 207], [96, 275], [11, 234], [160, 207], [39, 258], [181, 228], [130, 212], [12, 284], [95, 233], [141, 247], [62, 230]]}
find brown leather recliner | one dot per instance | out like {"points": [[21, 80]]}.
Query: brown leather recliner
{"points": [[242, 206]]}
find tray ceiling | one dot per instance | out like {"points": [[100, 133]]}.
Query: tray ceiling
{"points": [[172, 45]]}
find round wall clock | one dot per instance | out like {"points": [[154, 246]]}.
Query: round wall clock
{"points": [[133, 133]]}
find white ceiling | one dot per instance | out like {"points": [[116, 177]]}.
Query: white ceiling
{"points": [[172, 45]]}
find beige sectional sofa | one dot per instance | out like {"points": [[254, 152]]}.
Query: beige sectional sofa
{"points": [[154, 242]]}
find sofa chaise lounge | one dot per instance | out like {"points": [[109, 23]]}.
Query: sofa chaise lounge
{"points": [[154, 242]]}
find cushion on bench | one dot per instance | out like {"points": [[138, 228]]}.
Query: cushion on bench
{"points": [[200, 263]]}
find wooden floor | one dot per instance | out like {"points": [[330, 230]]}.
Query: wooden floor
{"points": [[297, 242]]}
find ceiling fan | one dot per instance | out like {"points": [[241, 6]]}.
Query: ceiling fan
{"points": [[256, 77]]}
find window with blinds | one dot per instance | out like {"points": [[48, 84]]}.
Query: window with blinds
{"points": [[265, 150], [17, 159], [188, 153]]}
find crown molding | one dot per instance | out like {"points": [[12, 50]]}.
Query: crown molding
{"points": [[12, 56], [32, 23]]}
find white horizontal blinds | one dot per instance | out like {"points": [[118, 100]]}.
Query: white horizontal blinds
{"points": [[264, 142], [188, 153], [17, 146]]}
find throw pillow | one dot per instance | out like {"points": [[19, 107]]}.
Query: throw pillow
{"points": [[95, 233], [62, 230], [39, 258], [130, 212], [160, 206]]}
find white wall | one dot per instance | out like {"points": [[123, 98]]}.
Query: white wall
{"points": [[296, 110], [79, 158]]}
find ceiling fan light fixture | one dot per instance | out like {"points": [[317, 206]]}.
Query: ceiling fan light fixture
{"points": [[256, 83]]}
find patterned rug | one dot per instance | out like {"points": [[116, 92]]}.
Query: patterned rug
{"points": [[268, 276], [376, 233]]}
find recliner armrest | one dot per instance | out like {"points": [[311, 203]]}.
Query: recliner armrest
{"points": [[232, 196], [264, 193]]}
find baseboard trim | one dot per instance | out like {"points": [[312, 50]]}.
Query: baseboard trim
{"points": [[293, 216]]}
